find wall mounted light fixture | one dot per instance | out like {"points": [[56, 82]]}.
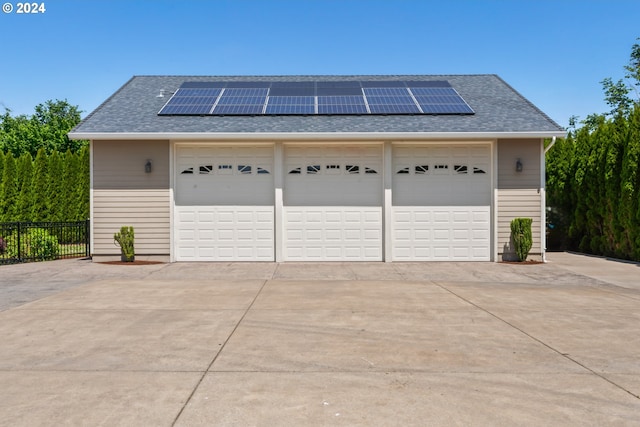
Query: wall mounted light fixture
{"points": [[147, 167], [518, 165]]}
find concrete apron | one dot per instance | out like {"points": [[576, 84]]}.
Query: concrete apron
{"points": [[319, 344]]}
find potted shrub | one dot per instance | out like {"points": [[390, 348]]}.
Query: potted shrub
{"points": [[124, 239], [521, 236]]}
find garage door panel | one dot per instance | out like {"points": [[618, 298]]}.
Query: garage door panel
{"points": [[329, 237], [432, 234], [227, 233]]}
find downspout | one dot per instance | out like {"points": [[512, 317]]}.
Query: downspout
{"points": [[543, 204], [553, 141]]}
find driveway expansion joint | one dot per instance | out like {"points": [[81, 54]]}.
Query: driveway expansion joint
{"points": [[264, 282], [564, 355]]}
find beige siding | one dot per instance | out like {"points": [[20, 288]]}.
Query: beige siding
{"points": [[528, 151], [517, 204], [123, 194], [519, 193], [120, 165]]}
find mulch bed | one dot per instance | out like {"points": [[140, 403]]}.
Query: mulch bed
{"points": [[131, 263], [521, 262]]}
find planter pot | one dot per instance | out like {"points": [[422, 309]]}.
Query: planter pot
{"points": [[124, 258]]}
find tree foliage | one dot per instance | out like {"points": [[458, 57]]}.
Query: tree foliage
{"points": [[522, 237], [45, 179], [55, 189], [83, 188], [592, 176], [9, 190], [25, 179], [47, 128], [51, 187]]}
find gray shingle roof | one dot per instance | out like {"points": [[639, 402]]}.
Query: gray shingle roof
{"points": [[498, 109]]}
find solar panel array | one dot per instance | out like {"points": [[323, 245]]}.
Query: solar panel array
{"points": [[315, 97]]}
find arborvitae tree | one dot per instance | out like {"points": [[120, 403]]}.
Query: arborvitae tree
{"points": [[1, 165], [83, 189], [69, 185], [25, 181], [55, 207], [560, 197], [9, 190], [629, 209], [39, 186]]}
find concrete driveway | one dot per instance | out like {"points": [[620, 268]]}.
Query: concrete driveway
{"points": [[443, 344]]}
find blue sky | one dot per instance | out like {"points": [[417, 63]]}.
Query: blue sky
{"points": [[554, 52]]}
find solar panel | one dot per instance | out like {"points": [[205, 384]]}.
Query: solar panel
{"points": [[383, 84], [290, 105], [338, 88], [427, 83], [441, 100], [241, 101], [238, 110], [191, 101], [291, 109], [323, 97], [342, 104], [390, 100], [248, 85], [292, 89]]}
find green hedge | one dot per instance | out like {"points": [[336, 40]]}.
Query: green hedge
{"points": [[593, 188], [36, 244], [51, 187]]}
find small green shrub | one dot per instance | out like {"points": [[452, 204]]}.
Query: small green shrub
{"points": [[125, 240], [521, 235], [36, 244]]}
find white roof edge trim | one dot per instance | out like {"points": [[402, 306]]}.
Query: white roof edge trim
{"points": [[307, 136]]}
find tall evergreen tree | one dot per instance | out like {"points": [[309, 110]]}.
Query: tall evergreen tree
{"points": [[629, 209], [83, 189], [25, 182], [55, 207], [1, 166], [39, 186], [9, 190], [69, 184]]}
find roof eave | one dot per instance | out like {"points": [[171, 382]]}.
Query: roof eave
{"points": [[307, 136]]}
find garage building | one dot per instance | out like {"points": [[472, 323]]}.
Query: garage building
{"points": [[317, 168]]}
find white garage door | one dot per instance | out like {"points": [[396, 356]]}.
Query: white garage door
{"points": [[333, 203], [441, 203], [224, 198]]}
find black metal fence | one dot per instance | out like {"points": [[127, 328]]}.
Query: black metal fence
{"points": [[43, 241]]}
